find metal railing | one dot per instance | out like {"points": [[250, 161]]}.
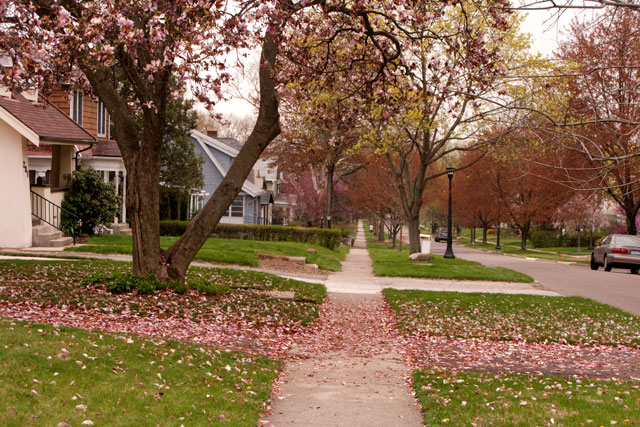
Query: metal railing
{"points": [[49, 212]]}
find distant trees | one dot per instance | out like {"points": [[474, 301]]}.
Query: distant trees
{"points": [[603, 54], [477, 200], [373, 193], [429, 113]]}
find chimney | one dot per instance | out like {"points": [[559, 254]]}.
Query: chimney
{"points": [[212, 133]]}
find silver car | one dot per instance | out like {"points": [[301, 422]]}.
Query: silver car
{"points": [[617, 250]]}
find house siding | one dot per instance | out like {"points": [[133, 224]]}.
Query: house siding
{"points": [[213, 178], [61, 99], [15, 215]]}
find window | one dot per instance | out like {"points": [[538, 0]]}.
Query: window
{"points": [[237, 207], [76, 106], [102, 119]]}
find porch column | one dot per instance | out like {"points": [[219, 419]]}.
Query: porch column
{"points": [[116, 181]]}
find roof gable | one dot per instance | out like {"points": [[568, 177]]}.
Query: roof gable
{"points": [[207, 144], [44, 121]]}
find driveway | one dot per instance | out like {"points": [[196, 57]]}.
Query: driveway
{"points": [[618, 288]]}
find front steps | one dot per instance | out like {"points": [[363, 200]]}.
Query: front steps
{"points": [[121, 228], [44, 235]]}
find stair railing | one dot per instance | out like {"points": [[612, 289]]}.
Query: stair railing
{"points": [[49, 212]]}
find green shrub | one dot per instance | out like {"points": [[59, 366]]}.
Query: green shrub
{"points": [[545, 238], [120, 283], [179, 287], [92, 200], [329, 238]]}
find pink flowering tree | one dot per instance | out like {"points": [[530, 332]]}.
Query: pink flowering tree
{"points": [[126, 53]]}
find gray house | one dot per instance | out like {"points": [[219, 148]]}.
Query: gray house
{"points": [[252, 205]]}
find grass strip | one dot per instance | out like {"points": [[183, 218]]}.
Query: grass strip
{"points": [[227, 251], [53, 374], [481, 399], [391, 262], [531, 318]]}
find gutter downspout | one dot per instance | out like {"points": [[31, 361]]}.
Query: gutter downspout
{"points": [[78, 152]]}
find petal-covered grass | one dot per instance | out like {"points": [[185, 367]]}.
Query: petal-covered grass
{"points": [[228, 251], [60, 284], [530, 318], [391, 262], [226, 308], [55, 374], [484, 399]]}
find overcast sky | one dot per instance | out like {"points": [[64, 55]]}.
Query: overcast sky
{"points": [[545, 27]]}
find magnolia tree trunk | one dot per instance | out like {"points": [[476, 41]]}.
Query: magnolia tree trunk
{"points": [[179, 256]]}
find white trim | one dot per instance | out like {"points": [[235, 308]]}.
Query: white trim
{"points": [[105, 122], [205, 143], [215, 143], [20, 127]]}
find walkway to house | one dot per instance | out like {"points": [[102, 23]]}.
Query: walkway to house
{"points": [[351, 370]]}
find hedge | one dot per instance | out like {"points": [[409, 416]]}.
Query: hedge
{"points": [[329, 238], [554, 239]]}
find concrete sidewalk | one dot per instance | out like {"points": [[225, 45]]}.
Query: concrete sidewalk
{"points": [[357, 277]]}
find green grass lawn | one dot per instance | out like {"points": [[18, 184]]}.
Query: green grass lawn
{"points": [[553, 254], [533, 318], [480, 399], [514, 399], [50, 375], [228, 251], [391, 262], [234, 292]]}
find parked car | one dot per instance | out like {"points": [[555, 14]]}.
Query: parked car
{"points": [[617, 250], [442, 235]]}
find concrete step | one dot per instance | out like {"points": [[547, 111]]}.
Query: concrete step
{"points": [[41, 228], [61, 241], [122, 228], [45, 238]]}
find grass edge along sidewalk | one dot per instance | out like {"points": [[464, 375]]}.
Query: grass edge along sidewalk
{"points": [[57, 374], [228, 251], [393, 263], [496, 397]]}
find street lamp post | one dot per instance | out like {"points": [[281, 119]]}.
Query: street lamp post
{"points": [[498, 247], [449, 252]]}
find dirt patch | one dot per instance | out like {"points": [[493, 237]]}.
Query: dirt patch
{"points": [[282, 263]]}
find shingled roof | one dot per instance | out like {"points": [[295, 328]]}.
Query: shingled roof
{"points": [[103, 149], [46, 120], [231, 142]]}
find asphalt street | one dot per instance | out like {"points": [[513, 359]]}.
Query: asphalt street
{"points": [[618, 288]]}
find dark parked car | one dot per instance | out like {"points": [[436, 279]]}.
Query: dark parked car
{"points": [[617, 250], [441, 235]]}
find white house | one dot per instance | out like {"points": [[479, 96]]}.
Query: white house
{"points": [[28, 119]]}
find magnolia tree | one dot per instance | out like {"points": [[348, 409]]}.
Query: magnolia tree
{"points": [[126, 53]]}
